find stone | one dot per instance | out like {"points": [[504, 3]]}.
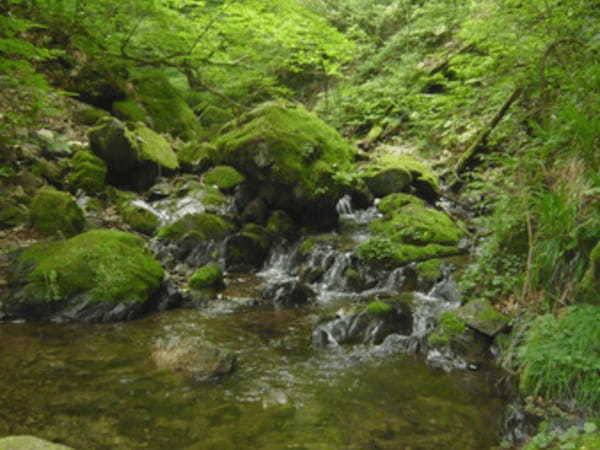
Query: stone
{"points": [[97, 276], [56, 212], [225, 178], [192, 358], [247, 249], [134, 156], [209, 275], [302, 165], [480, 315], [29, 443], [88, 174], [289, 294]]}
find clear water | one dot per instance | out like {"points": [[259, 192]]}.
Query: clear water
{"points": [[96, 387]]}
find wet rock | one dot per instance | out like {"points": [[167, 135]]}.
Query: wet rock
{"points": [[28, 443], [281, 224], [193, 358], [289, 294], [361, 325], [482, 316], [247, 249], [97, 276], [194, 229], [56, 212]]}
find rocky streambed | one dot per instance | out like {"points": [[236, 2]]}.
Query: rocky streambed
{"points": [[289, 299]]}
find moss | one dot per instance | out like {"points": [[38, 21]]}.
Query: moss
{"points": [[198, 227], [51, 171], [54, 212], [213, 115], [129, 110], [394, 202], [153, 147], [225, 177], [430, 270], [409, 231], [449, 326], [307, 245], [138, 218], [379, 308], [210, 275], [89, 173], [90, 115], [280, 223], [166, 106], [12, 213], [417, 224], [106, 266], [283, 143], [195, 156]]}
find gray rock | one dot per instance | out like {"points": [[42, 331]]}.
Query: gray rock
{"points": [[193, 358], [28, 443], [481, 316]]}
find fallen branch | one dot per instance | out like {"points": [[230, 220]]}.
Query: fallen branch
{"points": [[479, 143]]}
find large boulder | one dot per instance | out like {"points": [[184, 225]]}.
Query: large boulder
{"points": [[247, 249], [97, 276], [409, 231], [134, 156], [302, 165], [56, 212]]}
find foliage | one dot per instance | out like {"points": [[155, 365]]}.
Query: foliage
{"points": [[559, 359], [574, 438]]}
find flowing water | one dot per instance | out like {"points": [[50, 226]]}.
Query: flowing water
{"points": [[97, 387]]}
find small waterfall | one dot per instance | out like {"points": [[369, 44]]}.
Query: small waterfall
{"points": [[162, 216], [344, 206]]}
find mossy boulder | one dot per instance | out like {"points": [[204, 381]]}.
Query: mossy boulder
{"points": [[207, 276], [56, 212], [97, 276], [480, 315], [29, 443], [195, 228], [224, 177], [49, 170], [409, 231], [390, 173], [88, 115], [164, 104], [302, 165], [140, 219], [134, 156], [247, 249], [589, 287], [88, 174], [194, 156]]}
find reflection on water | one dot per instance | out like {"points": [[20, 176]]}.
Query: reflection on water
{"points": [[95, 386]]}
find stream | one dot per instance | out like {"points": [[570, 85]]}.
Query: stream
{"points": [[97, 387]]}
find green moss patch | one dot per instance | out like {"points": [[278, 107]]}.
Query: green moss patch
{"points": [[138, 218], [99, 266], [153, 147], [209, 275], [379, 308], [284, 145], [55, 212], [89, 173], [224, 177], [449, 326], [409, 231], [129, 110], [197, 227]]}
